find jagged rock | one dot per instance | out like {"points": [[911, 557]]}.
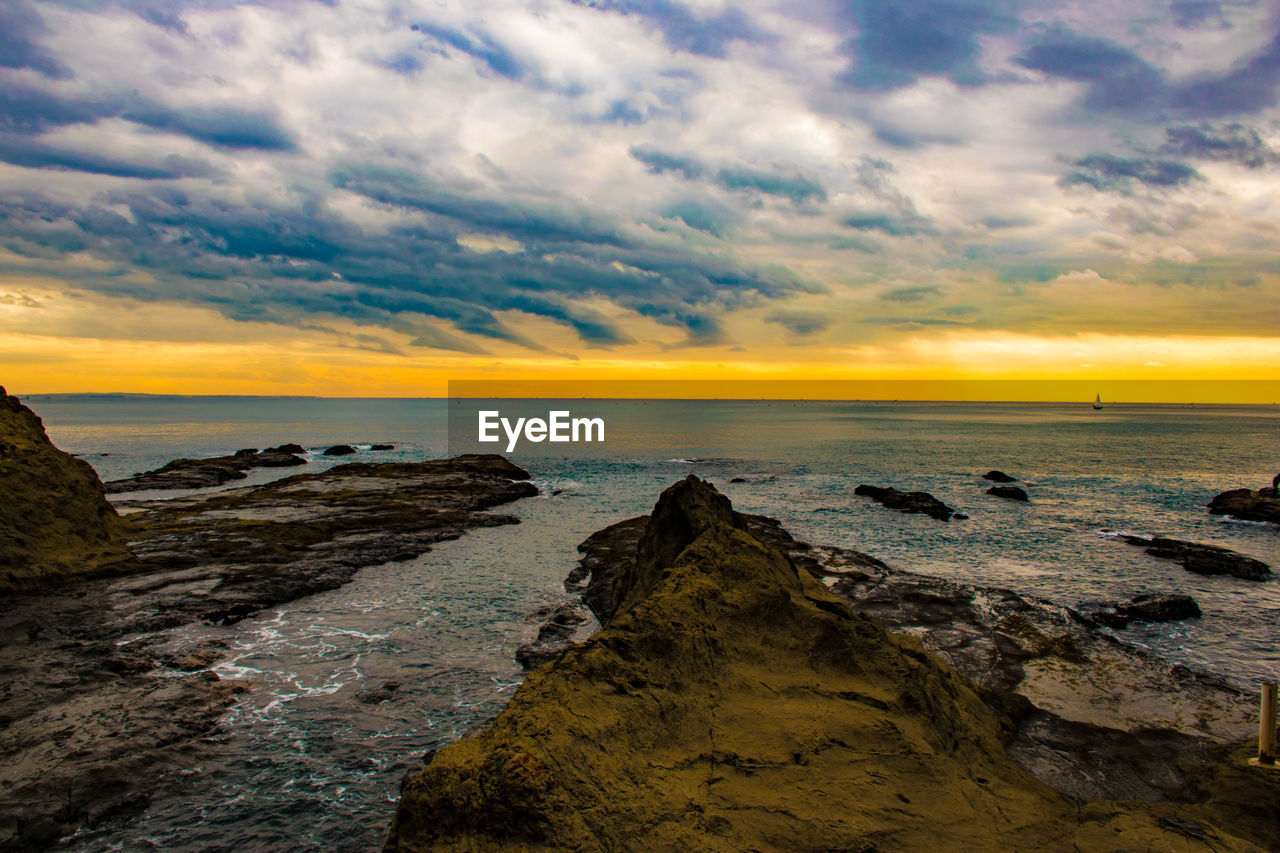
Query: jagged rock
{"points": [[1246, 504], [202, 473], [911, 502], [999, 477], [731, 702], [554, 636], [1013, 493], [1203, 559], [340, 450], [1148, 607], [55, 522]]}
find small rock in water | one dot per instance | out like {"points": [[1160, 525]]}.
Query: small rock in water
{"points": [[340, 450], [1147, 607], [1012, 493], [999, 477], [382, 447], [288, 448], [247, 451], [910, 502], [738, 480], [1204, 559]]}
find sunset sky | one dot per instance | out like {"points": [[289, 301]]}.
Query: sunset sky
{"points": [[371, 197]]}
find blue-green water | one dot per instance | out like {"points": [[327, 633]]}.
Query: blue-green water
{"points": [[300, 765]]}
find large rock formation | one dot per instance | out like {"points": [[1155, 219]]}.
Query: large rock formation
{"points": [[731, 702], [54, 521]]}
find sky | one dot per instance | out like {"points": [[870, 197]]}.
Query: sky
{"points": [[372, 197]]}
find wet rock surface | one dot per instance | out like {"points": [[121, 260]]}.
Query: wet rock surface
{"points": [[732, 702], [202, 473], [1247, 504], [1010, 493], [1203, 559], [99, 710], [910, 502]]}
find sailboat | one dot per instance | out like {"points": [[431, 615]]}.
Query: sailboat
{"points": [[1097, 402]]}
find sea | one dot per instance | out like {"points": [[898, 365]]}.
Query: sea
{"points": [[300, 764]]}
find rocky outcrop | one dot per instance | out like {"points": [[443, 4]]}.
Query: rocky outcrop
{"points": [[910, 502], [202, 473], [732, 702], [1148, 607], [1248, 505], [91, 726], [54, 521], [1011, 493], [999, 477], [1203, 559]]}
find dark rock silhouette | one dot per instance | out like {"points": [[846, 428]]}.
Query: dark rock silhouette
{"points": [[1204, 559], [909, 502], [999, 477], [1246, 504], [202, 473], [1013, 493], [1147, 607], [340, 450]]}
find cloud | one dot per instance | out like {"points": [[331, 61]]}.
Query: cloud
{"points": [[1230, 142], [480, 46], [713, 219], [1109, 173], [794, 187], [802, 323], [20, 28], [885, 224], [1120, 81], [684, 30], [35, 155], [1189, 14], [898, 43], [911, 294]]}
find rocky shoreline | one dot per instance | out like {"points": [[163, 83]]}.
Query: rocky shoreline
{"points": [[100, 708], [742, 694]]}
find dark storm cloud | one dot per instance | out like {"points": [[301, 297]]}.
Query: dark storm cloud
{"points": [[711, 219], [686, 31], [31, 110], [1232, 142], [22, 151], [1122, 82], [479, 46], [1110, 173], [899, 42], [794, 187], [801, 323], [20, 29], [290, 264]]}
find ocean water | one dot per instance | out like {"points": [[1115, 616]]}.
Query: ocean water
{"points": [[300, 764]]}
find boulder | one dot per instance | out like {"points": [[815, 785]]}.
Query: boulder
{"points": [[1248, 505], [382, 447], [1012, 493], [999, 477], [910, 502], [340, 450]]}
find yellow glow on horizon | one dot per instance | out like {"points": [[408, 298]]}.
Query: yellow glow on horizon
{"points": [[1022, 367]]}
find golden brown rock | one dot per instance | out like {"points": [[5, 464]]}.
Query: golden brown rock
{"points": [[54, 520], [733, 703]]}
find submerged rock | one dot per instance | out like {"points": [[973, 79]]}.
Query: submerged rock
{"points": [[1148, 607], [1204, 559], [202, 473], [55, 522], [999, 477], [731, 702], [1012, 493], [911, 502], [1246, 504]]}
